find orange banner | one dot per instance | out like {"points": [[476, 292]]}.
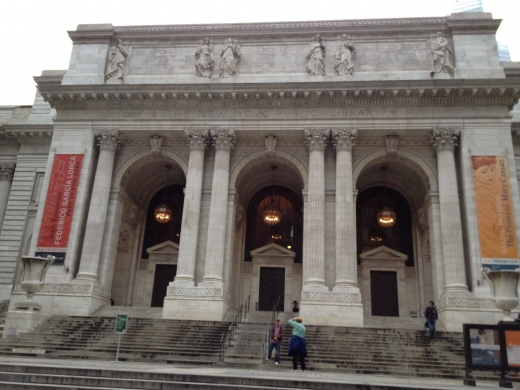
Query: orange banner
{"points": [[59, 206], [495, 214], [513, 347]]}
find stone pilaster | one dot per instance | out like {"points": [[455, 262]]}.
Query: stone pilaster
{"points": [[6, 176], [223, 140], [108, 142], [191, 212], [314, 213], [346, 255], [444, 141]]}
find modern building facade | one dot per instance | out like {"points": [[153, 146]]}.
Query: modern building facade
{"points": [[328, 163]]}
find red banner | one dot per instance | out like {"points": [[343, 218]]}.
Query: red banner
{"points": [[59, 206]]}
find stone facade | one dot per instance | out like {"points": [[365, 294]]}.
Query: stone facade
{"points": [[221, 104]]}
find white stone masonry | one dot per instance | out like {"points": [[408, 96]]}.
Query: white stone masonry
{"points": [[445, 140], [108, 142], [6, 175], [223, 140], [314, 213], [346, 257], [192, 205]]}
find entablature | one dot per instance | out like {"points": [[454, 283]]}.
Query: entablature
{"points": [[501, 92]]}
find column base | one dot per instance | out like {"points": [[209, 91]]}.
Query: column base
{"points": [[87, 276], [183, 282], [348, 289], [22, 320], [195, 303], [339, 308]]}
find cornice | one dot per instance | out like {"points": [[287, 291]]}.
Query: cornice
{"points": [[102, 33], [26, 134], [499, 92], [473, 26], [305, 27]]}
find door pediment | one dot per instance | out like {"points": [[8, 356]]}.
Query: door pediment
{"points": [[165, 252], [272, 250], [383, 253], [163, 247], [273, 254]]}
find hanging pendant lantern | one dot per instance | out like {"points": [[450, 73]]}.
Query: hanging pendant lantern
{"points": [[386, 217], [272, 214], [162, 213]]}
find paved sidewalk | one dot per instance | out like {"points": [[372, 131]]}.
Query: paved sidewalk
{"points": [[282, 372]]}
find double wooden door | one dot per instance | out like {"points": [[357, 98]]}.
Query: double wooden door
{"points": [[272, 288], [383, 292]]}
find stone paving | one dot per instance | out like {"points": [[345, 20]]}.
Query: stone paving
{"points": [[282, 372]]}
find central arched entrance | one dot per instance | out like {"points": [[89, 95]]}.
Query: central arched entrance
{"points": [[288, 234], [394, 262], [269, 257]]}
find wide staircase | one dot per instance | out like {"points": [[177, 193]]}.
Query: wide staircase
{"points": [[146, 339], [405, 352]]}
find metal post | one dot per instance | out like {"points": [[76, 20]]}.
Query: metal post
{"points": [[118, 344]]}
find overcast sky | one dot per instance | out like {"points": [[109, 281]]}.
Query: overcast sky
{"points": [[33, 34]]}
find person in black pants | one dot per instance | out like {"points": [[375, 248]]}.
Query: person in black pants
{"points": [[297, 345], [431, 317]]}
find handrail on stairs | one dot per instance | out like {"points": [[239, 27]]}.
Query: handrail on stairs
{"points": [[231, 331]]}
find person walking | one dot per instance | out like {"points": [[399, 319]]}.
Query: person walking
{"points": [[297, 345], [431, 317], [276, 337]]}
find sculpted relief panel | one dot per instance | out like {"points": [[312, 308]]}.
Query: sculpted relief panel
{"points": [[228, 59]]}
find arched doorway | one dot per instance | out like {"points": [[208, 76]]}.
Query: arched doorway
{"points": [[147, 251], [287, 234], [273, 251], [383, 275], [394, 262]]}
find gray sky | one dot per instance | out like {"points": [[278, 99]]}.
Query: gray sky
{"points": [[33, 34]]}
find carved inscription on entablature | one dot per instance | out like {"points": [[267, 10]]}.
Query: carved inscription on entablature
{"points": [[161, 61], [268, 59], [255, 114], [380, 56]]}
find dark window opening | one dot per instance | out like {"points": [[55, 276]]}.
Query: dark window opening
{"points": [[287, 233], [370, 235], [155, 232]]}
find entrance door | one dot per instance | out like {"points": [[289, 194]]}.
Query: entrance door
{"points": [[272, 286], [164, 274], [383, 291]]}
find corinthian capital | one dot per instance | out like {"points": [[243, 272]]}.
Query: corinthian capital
{"points": [[198, 138], [223, 139], [6, 171], [344, 139], [108, 139], [317, 139], [444, 138]]}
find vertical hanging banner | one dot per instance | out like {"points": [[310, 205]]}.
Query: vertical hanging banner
{"points": [[59, 207], [495, 214]]}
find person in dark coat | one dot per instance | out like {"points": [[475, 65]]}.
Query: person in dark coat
{"points": [[431, 317]]}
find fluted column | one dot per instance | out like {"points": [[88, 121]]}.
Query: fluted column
{"points": [[108, 142], [346, 262], [444, 141], [6, 175], [223, 140], [191, 211], [314, 213]]}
